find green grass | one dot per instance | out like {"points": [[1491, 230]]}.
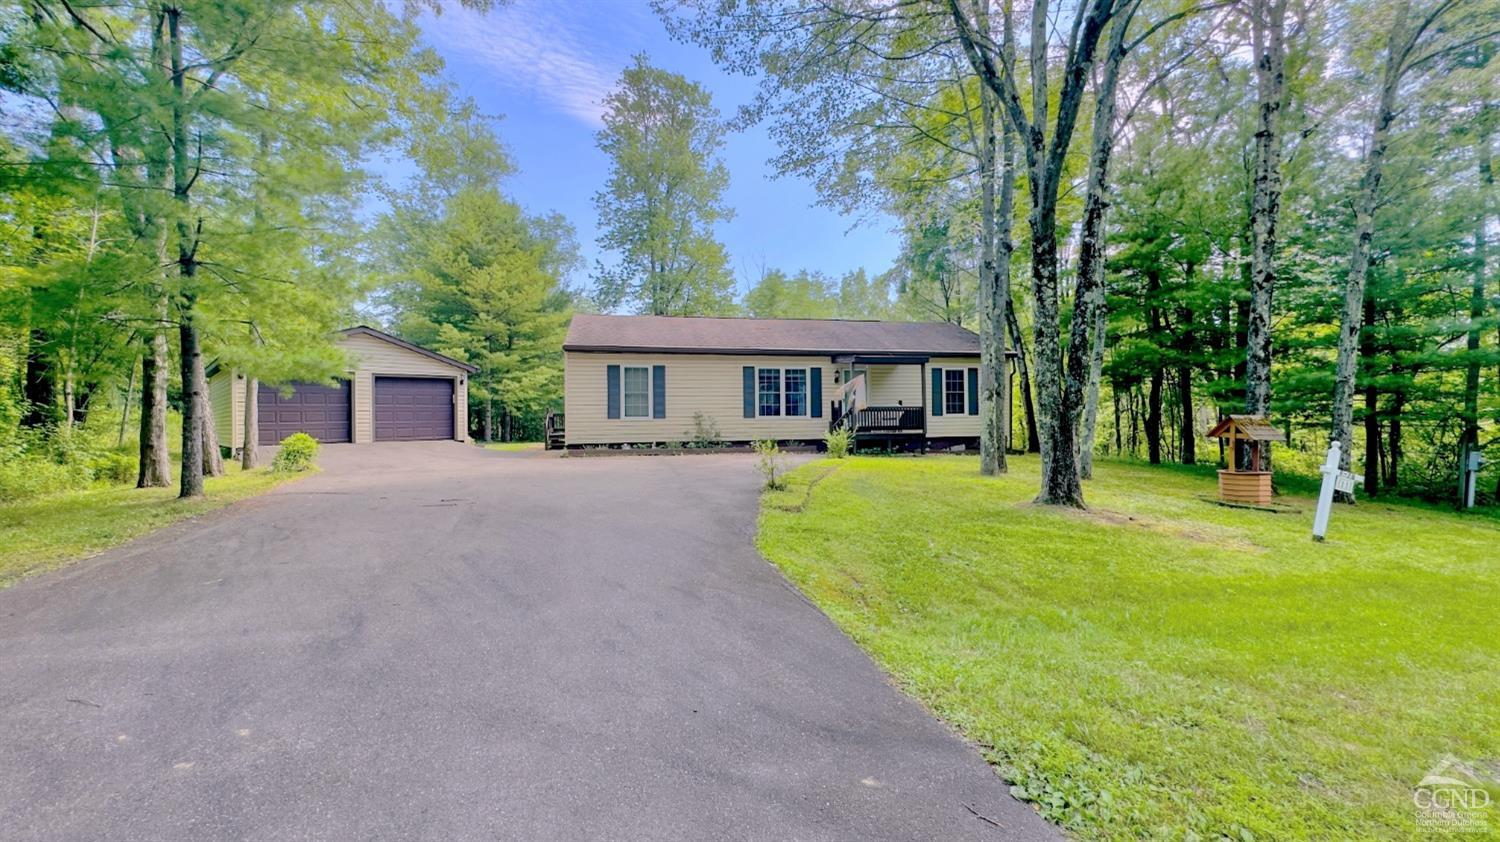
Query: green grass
{"points": [[513, 446], [1161, 666], [48, 532]]}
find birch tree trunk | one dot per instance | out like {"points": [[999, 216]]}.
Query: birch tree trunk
{"points": [[1093, 243], [1268, 22], [250, 437], [1352, 320]]}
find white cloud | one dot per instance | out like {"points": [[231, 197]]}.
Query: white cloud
{"points": [[564, 54]]}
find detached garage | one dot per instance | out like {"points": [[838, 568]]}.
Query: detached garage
{"points": [[396, 391]]}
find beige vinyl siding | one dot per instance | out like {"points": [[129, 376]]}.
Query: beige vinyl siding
{"points": [[226, 396], [945, 425], [374, 357], [713, 384], [707, 383]]}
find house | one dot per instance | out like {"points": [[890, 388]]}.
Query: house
{"points": [[394, 391], [644, 379]]}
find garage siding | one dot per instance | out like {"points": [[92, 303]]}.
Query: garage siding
{"points": [[373, 357], [226, 396]]}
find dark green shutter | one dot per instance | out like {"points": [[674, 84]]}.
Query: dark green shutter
{"points": [[749, 391], [816, 389], [612, 387], [973, 391], [937, 392], [658, 391]]}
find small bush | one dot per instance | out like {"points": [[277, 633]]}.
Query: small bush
{"points": [[297, 453], [705, 431], [838, 442], [771, 463], [114, 467]]}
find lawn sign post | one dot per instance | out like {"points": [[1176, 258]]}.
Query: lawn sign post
{"points": [[1250, 486], [1334, 480]]}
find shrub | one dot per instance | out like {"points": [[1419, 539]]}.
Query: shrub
{"points": [[838, 442], [770, 463], [114, 467], [297, 453], [706, 431]]}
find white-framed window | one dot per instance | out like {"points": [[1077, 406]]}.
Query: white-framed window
{"points": [[636, 391], [781, 392], [795, 392], [768, 391], [954, 398]]}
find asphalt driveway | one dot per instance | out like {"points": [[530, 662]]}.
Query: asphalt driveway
{"points": [[428, 641]]}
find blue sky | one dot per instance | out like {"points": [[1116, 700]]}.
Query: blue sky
{"points": [[545, 65]]}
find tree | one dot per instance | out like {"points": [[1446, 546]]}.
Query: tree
{"points": [[664, 195], [1268, 25], [806, 295], [1414, 40]]}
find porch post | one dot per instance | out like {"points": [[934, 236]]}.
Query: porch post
{"points": [[922, 390]]}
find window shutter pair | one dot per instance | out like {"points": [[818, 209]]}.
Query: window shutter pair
{"points": [[938, 396], [658, 391]]}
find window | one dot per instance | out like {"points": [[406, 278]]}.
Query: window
{"points": [[796, 391], [637, 392], [770, 391], [953, 391]]}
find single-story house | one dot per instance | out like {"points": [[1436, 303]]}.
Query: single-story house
{"points": [[394, 391], [643, 379]]}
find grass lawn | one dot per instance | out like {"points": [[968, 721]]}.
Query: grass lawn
{"points": [[513, 446], [1160, 666], [48, 532]]}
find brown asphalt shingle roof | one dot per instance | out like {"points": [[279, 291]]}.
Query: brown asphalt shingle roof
{"points": [[702, 334]]}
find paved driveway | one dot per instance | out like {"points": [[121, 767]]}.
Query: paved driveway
{"points": [[427, 641]]}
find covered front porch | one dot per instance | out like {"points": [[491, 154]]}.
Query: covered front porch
{"points": [[881, 400]]}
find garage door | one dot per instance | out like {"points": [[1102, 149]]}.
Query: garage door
{"points": [[320, 411], [413, 408]]}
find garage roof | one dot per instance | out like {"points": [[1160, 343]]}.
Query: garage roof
{"points": [[717, 335]]}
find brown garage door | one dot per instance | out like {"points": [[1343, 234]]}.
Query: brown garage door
{"points": [[413, 408], [320, 411]]}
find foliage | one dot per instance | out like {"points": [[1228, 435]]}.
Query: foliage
{"points": [[298, 452], [43, 534], [770, 462], [705, 432], [664, 195], [838, 442], [481, 281], [1122, 679]]}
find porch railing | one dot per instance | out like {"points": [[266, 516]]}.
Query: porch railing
{"points": [[879, 419]]}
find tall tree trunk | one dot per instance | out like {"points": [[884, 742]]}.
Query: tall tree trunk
{"points": [[250, 441], [1114, 395], [1157, 332], [994, 294], [125, 412], [1394, 447], [1028, 407], [1092, 246], [1368, 350], [188, 338], [1189, 423], [155, 462], [1470, 440], [1268, 19], [1346, 370], [489, 419], [1153, 417]]}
